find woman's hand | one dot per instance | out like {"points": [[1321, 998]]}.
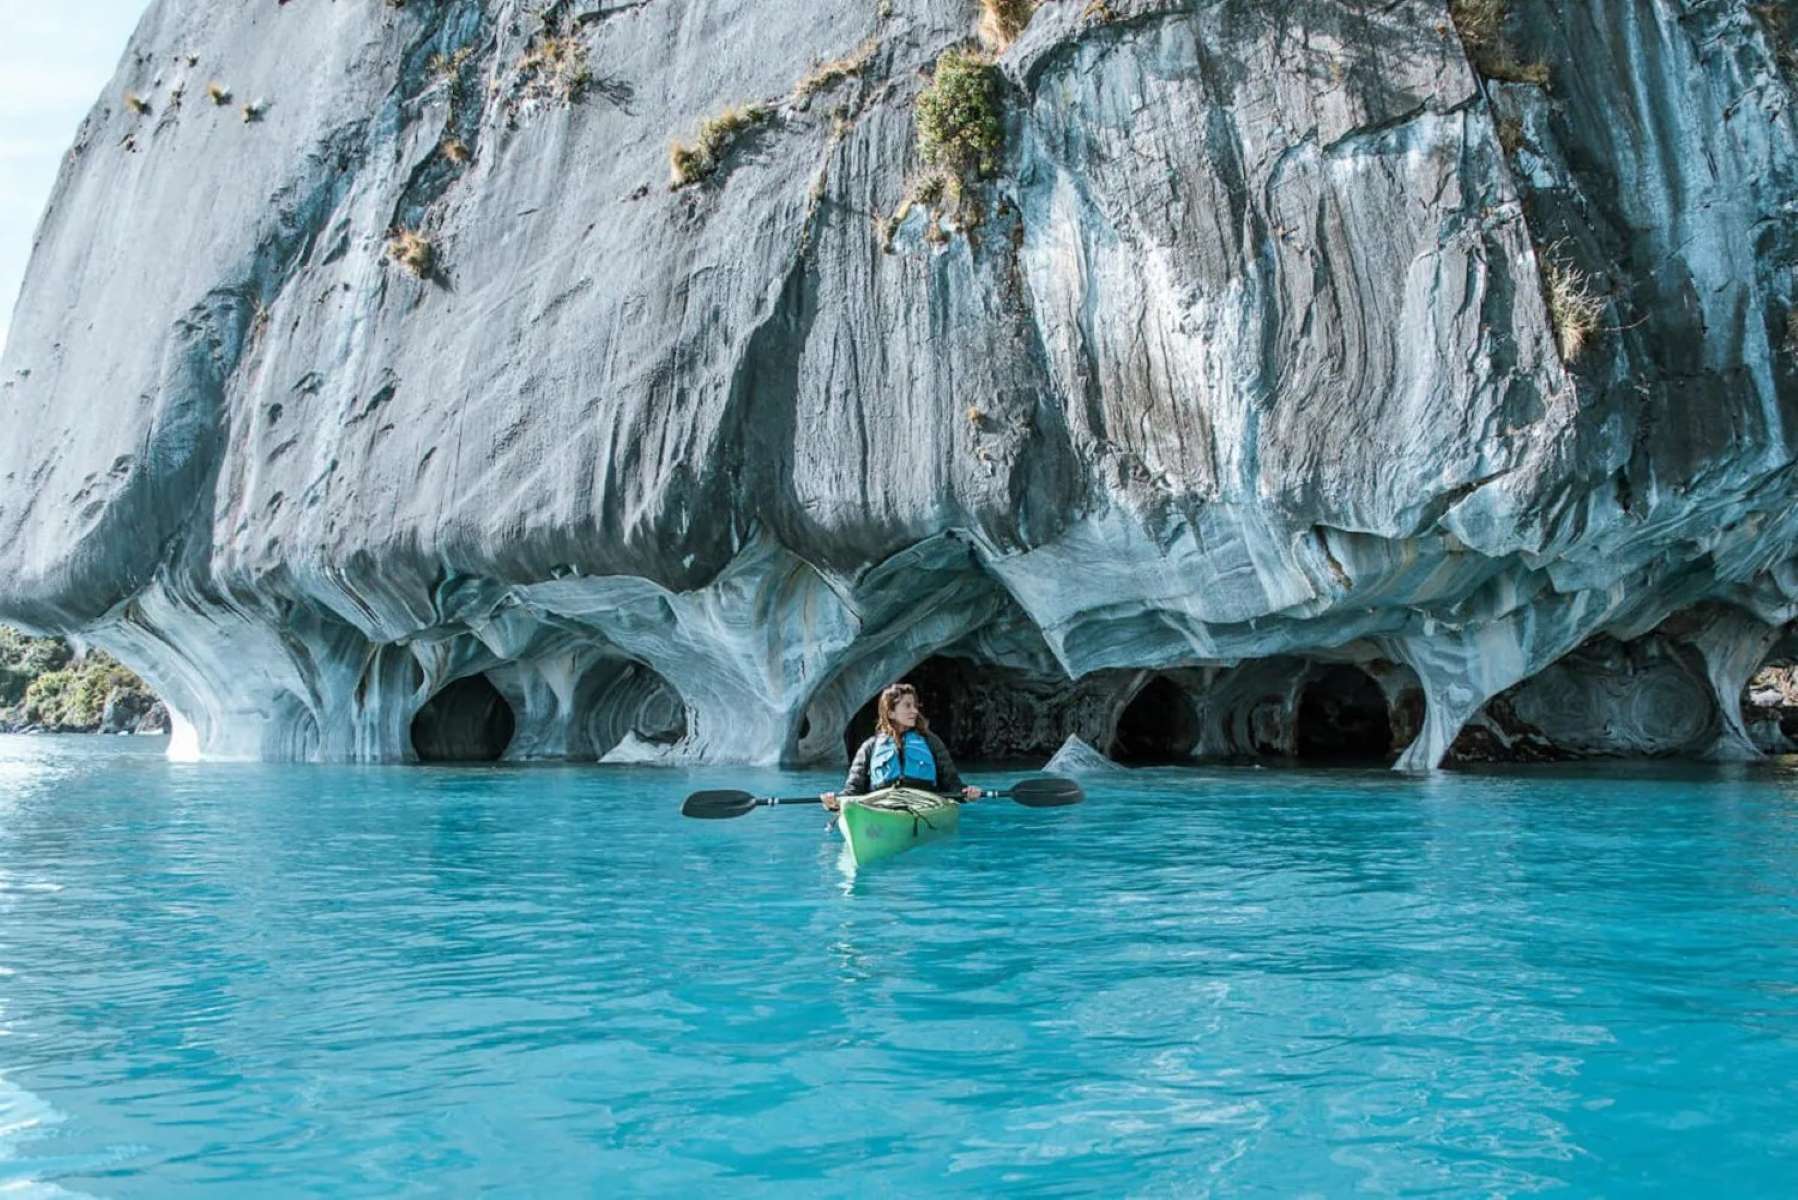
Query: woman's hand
{"points": [[970, 792], [830, 800]]}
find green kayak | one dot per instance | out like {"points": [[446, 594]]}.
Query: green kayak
{"points": [[881, 824]]}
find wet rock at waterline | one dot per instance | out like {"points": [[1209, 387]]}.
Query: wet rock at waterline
{"points": [[1225, 410], [1076, 758]]}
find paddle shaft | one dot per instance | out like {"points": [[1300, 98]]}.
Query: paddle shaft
{"points": [[1032, 793], [985, 794], [770, 801]]}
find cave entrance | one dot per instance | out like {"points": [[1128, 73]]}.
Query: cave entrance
{"points": [[1157, 727], [468, 721], [630, 709], [1343, 720], [659, 717]]}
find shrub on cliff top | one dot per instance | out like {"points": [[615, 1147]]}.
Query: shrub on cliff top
{"points": [[959, 125]]}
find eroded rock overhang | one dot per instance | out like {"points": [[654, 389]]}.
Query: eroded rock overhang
{"points": [[1240, 407]]}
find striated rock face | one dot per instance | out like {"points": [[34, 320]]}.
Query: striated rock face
{"points": [[1236, 418]]}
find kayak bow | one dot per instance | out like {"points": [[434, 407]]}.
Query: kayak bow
{"points": [[884, 823]]}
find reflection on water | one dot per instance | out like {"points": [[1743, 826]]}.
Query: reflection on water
{"points": [[341, 981]]}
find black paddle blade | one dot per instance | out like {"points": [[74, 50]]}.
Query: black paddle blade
{"points": [[717, 805], [1046, 791]]}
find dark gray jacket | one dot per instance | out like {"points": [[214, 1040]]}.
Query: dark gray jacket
{"points": [[948, 779]]}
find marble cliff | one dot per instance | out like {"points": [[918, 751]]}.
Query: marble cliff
{"points": [[1306, 378]]}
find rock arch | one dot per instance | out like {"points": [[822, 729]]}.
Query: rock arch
{"points": [[1361, 710], [638, 716], [1646, 697]]}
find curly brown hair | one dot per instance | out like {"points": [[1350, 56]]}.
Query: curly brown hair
{"points": [[889, 696]]}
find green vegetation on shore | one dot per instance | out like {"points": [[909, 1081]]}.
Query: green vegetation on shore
{"points": [[45, 684]]}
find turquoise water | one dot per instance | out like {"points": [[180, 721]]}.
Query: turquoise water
{"points": [[375, 981]]}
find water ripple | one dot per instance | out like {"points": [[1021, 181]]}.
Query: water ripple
{"points": [[366, 981]]}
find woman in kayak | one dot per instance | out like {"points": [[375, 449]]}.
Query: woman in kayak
{"points": [[902, 750]]}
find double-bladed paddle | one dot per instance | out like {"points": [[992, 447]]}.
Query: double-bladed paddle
{"points": [[1041, 791]]}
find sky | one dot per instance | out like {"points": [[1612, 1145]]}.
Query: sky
{"points": [[55, 59]]}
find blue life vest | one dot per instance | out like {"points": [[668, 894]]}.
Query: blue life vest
{"points": [[916, 764]]}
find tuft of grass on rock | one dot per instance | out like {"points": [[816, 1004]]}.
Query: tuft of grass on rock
{"points": [[446, 66], [1510, 136], [1001, 21], [692, 161], [959, 122], [218, 93], [942, 193], [455, 149], [252, 111], [1574, 309], [413, 251], [1481, 24], [136, 103], [829, 74], [555, 66]]}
